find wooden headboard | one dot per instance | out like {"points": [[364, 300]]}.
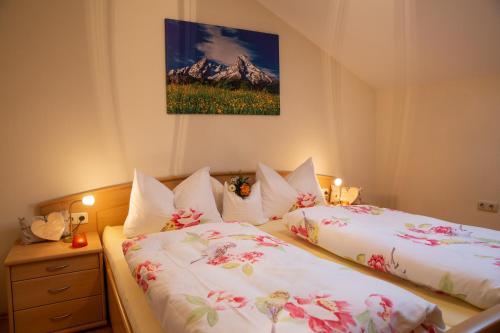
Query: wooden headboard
{"points": [[111, 203]]}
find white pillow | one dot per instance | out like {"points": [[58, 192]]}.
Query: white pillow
{"points": [[218, 191], [304, 180], [151, 204], [243, 210], [279, 195], [195, 192]]}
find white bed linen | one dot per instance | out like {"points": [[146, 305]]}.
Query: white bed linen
{"points": [[462, 261], [139, 314], [232, 277]]}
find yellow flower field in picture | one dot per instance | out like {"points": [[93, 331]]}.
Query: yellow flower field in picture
{"points": [[204, 99]]}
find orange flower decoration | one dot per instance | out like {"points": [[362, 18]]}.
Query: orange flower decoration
{"points": [[245, 190]]}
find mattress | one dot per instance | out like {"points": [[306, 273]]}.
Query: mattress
{"points": [[141, 317], [139, 314]]}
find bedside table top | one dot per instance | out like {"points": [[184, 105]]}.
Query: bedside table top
{"points": [[22, 254]]}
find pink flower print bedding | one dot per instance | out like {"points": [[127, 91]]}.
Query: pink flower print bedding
{"points": [[183, 218], [458, 260], [232, 277]]}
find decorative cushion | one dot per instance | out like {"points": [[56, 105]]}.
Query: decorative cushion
{"points": [[351, 194], [27, 236], [50, 229]]}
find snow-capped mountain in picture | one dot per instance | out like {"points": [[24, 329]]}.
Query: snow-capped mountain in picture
{"points": [[214, 69], [206, 71]]}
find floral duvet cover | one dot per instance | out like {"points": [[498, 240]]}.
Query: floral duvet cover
{"points": [[459, 260], [232, 277]]}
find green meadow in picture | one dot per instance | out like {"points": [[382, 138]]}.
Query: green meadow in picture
{"points": [[218, 70]]}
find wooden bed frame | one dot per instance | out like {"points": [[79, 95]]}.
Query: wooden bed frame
{"points": [[111, 209]]}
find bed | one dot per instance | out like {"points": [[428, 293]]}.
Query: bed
{"points": [[111, 209], [462, 261]]}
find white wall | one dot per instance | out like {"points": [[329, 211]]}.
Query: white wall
{"points": [[438, 149], [82, 102]]}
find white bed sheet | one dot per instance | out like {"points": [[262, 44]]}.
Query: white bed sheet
{"points": [[139, 313]]}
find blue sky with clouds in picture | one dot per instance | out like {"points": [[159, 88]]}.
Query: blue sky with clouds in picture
{"points": [[188, 42]]}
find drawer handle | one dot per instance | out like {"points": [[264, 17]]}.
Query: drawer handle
{"points": [[56, 268], [58, 290], [57, 318]]}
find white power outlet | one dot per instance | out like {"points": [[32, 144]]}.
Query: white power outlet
{"points": [[486, 206], [81, 218]]}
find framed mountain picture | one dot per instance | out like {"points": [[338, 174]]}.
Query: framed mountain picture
{"points": [[219, 70]]}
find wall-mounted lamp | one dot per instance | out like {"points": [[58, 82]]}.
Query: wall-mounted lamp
{"points": [[87, 200], [338, 183]]}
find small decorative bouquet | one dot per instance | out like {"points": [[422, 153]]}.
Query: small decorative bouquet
{"points": [[240, 186]]}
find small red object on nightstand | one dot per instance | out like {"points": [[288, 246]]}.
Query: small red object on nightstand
{"points": [[79, 240]]}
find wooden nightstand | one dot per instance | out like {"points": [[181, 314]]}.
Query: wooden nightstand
{"points": [[53, 287]]}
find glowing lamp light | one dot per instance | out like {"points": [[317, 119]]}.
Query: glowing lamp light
{"points": [[88, 200], [79, 240], [337, 182]]}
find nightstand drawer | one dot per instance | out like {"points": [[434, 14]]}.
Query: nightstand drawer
{"points": [[58, 316], [53, 289], [53, 267]]}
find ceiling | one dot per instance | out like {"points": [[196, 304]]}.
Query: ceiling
{"points": [[394, 42]]}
